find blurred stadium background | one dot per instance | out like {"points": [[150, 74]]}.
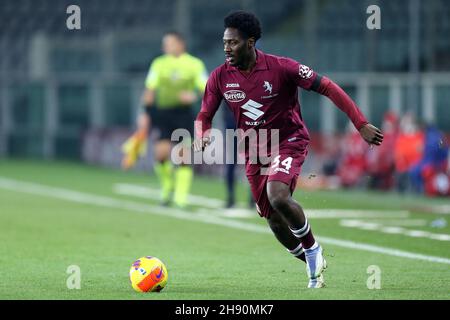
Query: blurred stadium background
{"points": [[74, 94]]}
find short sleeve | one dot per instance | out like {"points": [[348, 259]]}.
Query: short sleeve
{"points": [[152, 80], [302, 75]]}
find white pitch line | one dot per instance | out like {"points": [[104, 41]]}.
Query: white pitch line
{"points": [[209, 205], [208, 202], [154, 194], [403, 222], [364, 225], [355, 213], [85, 198], [439, 209], [383, 250], [230, 212]]}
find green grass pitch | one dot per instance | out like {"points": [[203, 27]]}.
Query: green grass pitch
{"points": [[208, 255]]}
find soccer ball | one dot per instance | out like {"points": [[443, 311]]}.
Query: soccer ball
{"points": [[148, 274]]}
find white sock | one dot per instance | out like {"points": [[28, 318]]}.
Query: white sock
{"points": [[300, 233], [314, 246]]}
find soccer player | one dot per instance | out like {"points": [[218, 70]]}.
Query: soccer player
{"points": [[174, 82], [265, 96]]}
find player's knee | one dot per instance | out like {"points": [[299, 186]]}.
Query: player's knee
{"points": [[279, 201], [279, 196]]}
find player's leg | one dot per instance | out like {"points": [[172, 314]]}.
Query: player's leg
{"points": [[276, 223], [182, 118], [251, 200], [183, 178], [279, 195], [164, 169], [285, 236], [230, 164], [229, 181], [230, 158], [281, 183]]}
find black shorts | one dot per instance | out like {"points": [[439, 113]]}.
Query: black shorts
{"points": [[168, 120]]}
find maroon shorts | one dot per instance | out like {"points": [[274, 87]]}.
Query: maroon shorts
{"points": [[286, 168]]}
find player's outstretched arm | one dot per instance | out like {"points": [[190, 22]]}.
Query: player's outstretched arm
{"points": [[337, 95]]}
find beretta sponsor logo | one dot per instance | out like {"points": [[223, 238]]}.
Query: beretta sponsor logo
{"points": [[234, 95]]}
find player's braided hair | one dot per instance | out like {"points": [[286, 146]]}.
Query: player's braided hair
{"points": [[247, 24]]}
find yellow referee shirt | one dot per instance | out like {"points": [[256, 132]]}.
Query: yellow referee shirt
{"points": [[169, 75]]}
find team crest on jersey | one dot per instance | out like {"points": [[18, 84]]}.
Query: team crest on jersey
{"points": [[234, 95], [305, 72], [267, 87]]}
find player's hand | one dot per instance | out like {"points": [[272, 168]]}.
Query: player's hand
{"points": [[371, 134], [199, 144]]}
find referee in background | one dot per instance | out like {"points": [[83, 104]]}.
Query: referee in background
{"points": [[175, 81]]}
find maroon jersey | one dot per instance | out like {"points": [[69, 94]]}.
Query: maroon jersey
{"points": [[267, 98]]}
